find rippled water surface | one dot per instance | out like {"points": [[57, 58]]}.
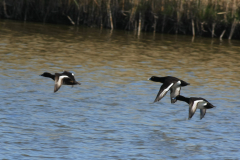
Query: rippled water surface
{"points": [[111, 115]]}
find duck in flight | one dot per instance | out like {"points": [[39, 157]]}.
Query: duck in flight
{"points": [[65, 78], [194, 103], [169, 83]]}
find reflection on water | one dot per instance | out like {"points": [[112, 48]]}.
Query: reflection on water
{"points": [[111, 115]]}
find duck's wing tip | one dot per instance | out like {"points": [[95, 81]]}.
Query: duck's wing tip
{"points": [[58, 82], [202, 113], [56, 87], [163, 91], [173, 101], [192, 108]]}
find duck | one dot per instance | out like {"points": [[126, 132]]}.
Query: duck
{"points": [[65, 78], [169, 83], [194, 103]]}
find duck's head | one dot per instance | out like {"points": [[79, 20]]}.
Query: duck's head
{"points": [[157, 79], [49, 75], [152, 78], [46, 74]]}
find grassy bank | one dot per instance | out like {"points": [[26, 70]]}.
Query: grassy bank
{"points": [[215, 18]]}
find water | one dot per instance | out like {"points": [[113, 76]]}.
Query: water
{"points": [[111, 115]]}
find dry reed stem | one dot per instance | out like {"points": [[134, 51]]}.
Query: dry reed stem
{"points": [[70, 19], [193, 28], [177, 15], [233, 28], [139, 24], [110, 14], [222, 34], [213, 29]]}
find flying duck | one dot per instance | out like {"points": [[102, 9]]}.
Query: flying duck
{"points": [[172, 83], [194, 103], [65, 78]]}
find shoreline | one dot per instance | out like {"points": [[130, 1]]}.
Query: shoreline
{"points": [[217, 19]]}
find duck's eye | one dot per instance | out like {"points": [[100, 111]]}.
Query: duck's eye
{"points": [[72, 74]]}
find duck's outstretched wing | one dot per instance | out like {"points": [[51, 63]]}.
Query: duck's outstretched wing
{"points": [[59, 81], [202, 113], [193, 107], [163, 91]]}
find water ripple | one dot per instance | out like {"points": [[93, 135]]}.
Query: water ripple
{"points": [[111, 115]]}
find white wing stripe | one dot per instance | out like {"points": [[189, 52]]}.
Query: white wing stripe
{"points": [[166, 90]]}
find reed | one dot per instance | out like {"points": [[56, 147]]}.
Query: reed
{"points": [[215, 18]]}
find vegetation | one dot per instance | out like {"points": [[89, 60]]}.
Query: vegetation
{"points": [[216, 18]]}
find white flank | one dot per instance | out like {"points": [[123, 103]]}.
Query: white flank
{"points": [[178, 90], [179, 82], [201, 105], [59, 82], [175, 92], [166, 90], [176, 85], [195, 105]]}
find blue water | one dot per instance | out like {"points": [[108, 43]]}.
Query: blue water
{"points": [[112, 114]]}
